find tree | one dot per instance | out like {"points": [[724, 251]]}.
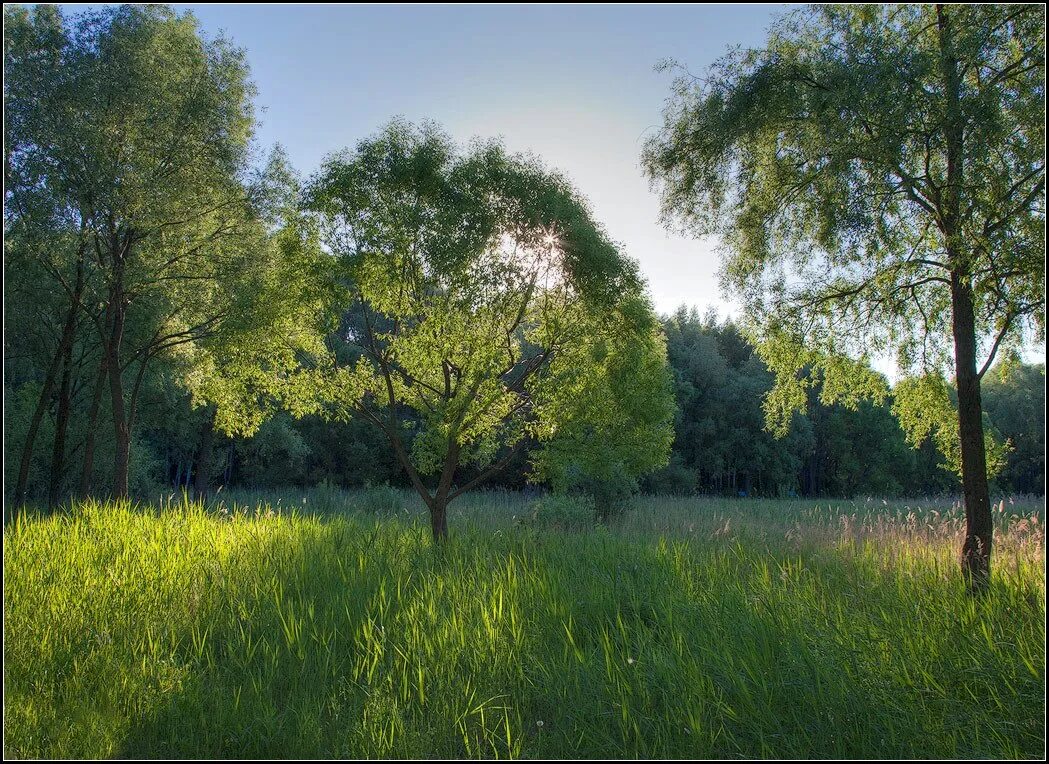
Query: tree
{"points": [[480, 297], [878, 176], [42, 237], [128, 168], [719, 384], [1015, 402], [130, 127]]}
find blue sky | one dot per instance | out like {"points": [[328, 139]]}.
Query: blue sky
{"points": [[577, 85]]}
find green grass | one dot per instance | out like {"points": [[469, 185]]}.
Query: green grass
{"points": [[695, 628]]}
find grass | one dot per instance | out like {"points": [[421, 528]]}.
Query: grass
{"points": [[694, 629]]}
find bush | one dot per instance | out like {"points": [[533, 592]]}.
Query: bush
{"points": [[676, 479], [569, 513], [610, 494]]}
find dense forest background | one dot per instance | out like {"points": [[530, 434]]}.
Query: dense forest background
{"points": [[720, 447]]}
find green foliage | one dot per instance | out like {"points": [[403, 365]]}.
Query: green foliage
{"points": [[283, 312], [722, 444], [131, 207], [798, 368], [609, 408], [924, 408], [830, 162], [274, 456], [1014, 397], [480, 296]]}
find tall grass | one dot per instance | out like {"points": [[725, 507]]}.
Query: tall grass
{"points": [[693, 629]]}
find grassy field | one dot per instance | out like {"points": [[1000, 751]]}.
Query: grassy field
{"points": [[307, 625]]}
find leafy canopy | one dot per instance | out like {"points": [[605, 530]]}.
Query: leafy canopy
{"points": [[821, 161], [129, 160], [481, 298]]}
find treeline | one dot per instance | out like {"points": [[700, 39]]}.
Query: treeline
{"points": [[721, 445]]}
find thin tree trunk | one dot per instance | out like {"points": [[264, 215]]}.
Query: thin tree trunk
{"points": [[34, 427], [136, 388], [65, 346], [229, 465], [121, 425], [121, 431], [92, 420], [58, 451], [976, 549]]}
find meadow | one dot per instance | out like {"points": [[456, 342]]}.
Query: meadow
{"points": [[323, 623]]}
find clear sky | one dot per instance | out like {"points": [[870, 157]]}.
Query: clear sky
{"points": [[576, 84]]}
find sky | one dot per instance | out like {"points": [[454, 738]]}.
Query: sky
{"points": [[576, 85]]}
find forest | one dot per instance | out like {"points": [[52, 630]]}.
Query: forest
{"points": [[721, 446], [426, 374]]}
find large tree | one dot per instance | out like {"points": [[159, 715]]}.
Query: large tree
{"points": [[877, 176], [129, 183], [485, 311]]}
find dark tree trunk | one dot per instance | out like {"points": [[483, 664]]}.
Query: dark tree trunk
{"points": [[228, 474], [136, 388], [439, 505], [65, 347], [976, 550], [118, 310], [439, 520], [34, 427], [92, 421], [58, 452], [121, 431]]}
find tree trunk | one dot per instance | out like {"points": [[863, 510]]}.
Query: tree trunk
{"points": [[118, 308], [976, 550], [228, 474], [34, 427], [58, 452], [121, 431], [65, 346], [92, 420], [439, 520], [439, 505]]}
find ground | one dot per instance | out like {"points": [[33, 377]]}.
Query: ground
{"points": [[324, 624]]}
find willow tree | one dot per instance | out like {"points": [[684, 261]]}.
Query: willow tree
{"points": [[133, 132], [485, 312], [877, 176]]}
